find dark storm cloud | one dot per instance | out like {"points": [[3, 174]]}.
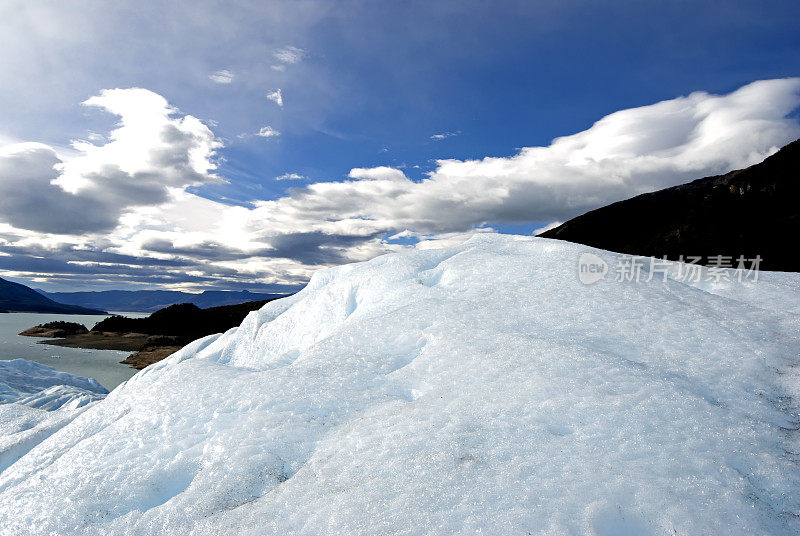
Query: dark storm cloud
{"points": [[62, 267], [28, 200], [121, 280], [48, 265], [71, 253], [48, 268], [65, 264], [315, 247], [206, 250], [68, 282]]}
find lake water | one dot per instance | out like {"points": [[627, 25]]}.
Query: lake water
{"points": [[102, 365]]}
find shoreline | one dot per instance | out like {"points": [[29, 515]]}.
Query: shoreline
{"points": [[149, 339], [145, 349]]}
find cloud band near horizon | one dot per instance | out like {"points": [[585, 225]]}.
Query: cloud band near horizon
{"points": [[105, 205]]}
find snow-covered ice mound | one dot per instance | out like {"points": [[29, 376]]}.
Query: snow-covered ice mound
{"points": [[479, 388]]}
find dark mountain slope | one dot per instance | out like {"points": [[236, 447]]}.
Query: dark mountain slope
{"points": [[752, 211], [19, 298], [153, 300]]}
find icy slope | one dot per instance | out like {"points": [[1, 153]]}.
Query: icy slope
{"points": [[475, 388]]}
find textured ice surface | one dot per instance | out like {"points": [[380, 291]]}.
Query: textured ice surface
{"points": [[29, 394], [60, 397], [479, 388], [36, 385]]}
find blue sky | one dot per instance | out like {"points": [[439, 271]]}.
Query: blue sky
{"points": [[364, 86]]}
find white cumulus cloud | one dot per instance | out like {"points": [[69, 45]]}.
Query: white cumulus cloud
{"points": [[623, 154], [377, 173], [276, 96], [268, 132], [152, 150]]}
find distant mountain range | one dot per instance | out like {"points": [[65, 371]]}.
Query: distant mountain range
{"points": [[16, 298], [749, 212], [152, 300]]}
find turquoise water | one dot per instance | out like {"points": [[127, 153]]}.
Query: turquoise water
{"points": [[102, 365]]}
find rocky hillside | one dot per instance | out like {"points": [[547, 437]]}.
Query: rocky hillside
{"points": [[55, 329], [749, 212]]}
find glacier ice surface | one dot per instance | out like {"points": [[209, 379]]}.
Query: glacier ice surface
{"points": [[474, 389], [30, 394], [36, 385]]}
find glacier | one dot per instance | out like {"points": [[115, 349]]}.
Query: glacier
{"points": [[36, 385], [35, 401], [479, 388]]}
